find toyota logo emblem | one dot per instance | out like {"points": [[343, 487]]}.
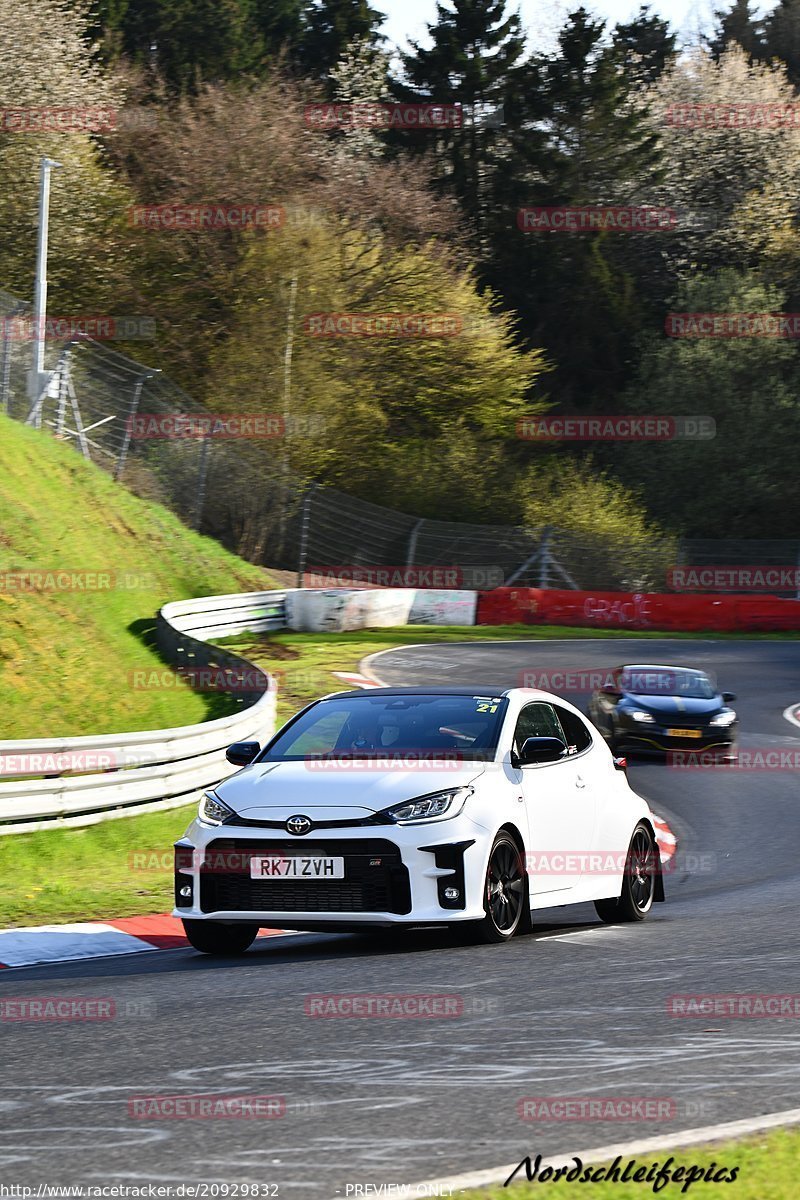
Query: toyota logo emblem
{"points": [[298, 825]]}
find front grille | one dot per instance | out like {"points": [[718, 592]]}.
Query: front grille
{"points": [[367, 887]]}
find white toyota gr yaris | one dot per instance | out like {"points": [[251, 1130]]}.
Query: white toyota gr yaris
{"points": [[417, 806]]}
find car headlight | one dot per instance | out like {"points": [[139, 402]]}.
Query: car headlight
{"points": [[448, 804], [639, 714], [723, 719], [212, 810]]}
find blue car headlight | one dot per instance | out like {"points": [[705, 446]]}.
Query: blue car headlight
{"points": [[435, 806], [639, 714], [723, 719]]}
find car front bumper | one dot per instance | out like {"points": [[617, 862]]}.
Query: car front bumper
{"points": [[393, 875], [657, 739]]}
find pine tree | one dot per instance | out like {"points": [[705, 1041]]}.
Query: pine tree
{"points": [[585, 141], [331, 26], [189, 41], [738, 25], [280, 23], [645, 45], [782, 37], [475, 61]]}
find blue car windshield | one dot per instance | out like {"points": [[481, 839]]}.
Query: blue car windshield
{"points": [[680, 684], [371, 725]]}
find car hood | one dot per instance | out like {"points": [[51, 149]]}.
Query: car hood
{"points": [[676, 705], [274, 791]]}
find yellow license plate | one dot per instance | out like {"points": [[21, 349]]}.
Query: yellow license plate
{"points": [[682, 733]]}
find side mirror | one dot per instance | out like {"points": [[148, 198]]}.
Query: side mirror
{"points": [[541, 750], [241, 754], [728, 696]]}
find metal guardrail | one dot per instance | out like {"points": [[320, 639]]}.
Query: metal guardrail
{"points": [[154, 769]]}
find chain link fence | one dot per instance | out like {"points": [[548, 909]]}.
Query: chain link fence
{"points": [[241, 493]]}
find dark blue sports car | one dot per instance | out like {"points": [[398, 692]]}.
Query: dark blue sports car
{"points": [[663, 708]]}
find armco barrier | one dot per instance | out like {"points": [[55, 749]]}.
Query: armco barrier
{"points": [[637, 610], [154, 769]]}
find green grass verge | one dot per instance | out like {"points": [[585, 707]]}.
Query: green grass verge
{"points": [[75, 874], [767, 1170], [66, 656]]}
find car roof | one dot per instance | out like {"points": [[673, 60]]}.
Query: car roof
{"points": [[480, 689], [660, 667]]}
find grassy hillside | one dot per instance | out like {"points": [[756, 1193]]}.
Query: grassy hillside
{"points": [[65, 656]]}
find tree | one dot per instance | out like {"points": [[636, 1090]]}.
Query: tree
{"points": [[185, 42], [88, 249], [478, 48], [212, 147], [782, 37], [733, 185], [360, 78], [750, 386], [330, 27], [415, 412], [738, 25], [584, 140], [645, 45], [280, 23]]}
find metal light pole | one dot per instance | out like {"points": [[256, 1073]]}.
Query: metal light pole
{"points": [[36, 373]]}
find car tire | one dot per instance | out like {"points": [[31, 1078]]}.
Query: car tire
{"points": [[505, 893], [214, 937], [638, 882]]}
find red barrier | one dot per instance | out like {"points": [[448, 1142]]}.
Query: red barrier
{"points": [[636, 610]]}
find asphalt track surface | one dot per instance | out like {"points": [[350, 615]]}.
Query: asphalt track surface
{"points": [[577, 1009]]}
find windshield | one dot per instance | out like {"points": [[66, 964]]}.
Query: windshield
{"points": [[683, 684], [374, 726]]}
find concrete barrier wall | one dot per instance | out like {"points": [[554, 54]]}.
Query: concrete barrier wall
{"points": [[637, 610]]}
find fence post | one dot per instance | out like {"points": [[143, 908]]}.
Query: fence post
{"points": [[202, 474], [305, 522], [62, 398], [412, 542], [126, 441], [5, 362], [544, 556]]}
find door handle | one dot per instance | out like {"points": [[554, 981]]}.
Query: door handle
{"points": [[579, 783]]}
